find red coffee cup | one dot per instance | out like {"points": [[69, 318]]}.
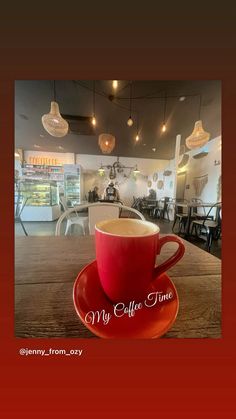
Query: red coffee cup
{"points": [[126, 252]]}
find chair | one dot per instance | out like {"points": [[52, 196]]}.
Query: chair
{"points": [[19, 206], [73, 219], [200, 212], [181, 216], [208, 229], [162, 208], [96, 212]]}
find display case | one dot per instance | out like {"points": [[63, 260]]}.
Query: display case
{"points": [[42, 200], [73, 184]]}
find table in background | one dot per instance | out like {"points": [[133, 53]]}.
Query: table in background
{"points": [[46, 268], [190, 207]]}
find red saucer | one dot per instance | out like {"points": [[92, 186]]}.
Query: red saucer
{"points": [[151, 319]]}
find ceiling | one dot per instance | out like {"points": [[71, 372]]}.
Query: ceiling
{"points": [[75, 97]]}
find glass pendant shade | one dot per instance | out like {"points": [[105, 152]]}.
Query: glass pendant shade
{"points": [[106, 143], [198, 138], [53, 122], [130, 122]]}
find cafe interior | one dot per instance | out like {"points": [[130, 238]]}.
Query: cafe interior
{"points": [[117, 209], [89, 149]]}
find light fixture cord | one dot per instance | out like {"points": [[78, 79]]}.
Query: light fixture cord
{"points": [[54, 90], [94, 98], [200, 104], [130, 100], [164, 120]]}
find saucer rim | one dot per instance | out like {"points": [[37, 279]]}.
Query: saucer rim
{"points": [[90, 328]]}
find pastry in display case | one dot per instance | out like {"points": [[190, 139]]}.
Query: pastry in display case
{"points": [[42, 200]]}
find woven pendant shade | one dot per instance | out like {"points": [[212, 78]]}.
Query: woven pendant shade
{"points": [[106, 143], [53, 122], [198, 138]]}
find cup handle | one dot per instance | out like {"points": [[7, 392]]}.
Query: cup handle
{"points": [[158, 270]]}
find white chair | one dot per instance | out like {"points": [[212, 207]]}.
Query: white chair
{"points": [[97, 212], [73, 218]]}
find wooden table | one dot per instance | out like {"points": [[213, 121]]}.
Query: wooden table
{"points": [[46, 268]]}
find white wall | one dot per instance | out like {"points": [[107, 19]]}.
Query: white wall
{"points": [[168, 187], [200, 167]]}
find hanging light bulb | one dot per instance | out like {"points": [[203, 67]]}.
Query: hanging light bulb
{"points": [[115, 84], [199, 137], [163, 127], [94, 118], [130, 121], [164, 117], [137, 134], [94, 121]]}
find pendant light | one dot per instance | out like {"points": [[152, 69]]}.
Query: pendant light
{"points": [[101, 170], [164, 118], [53, 122], [136, 171], [199, 137], [115, 84], [137, 134], [93, 118], [106, 143], [130, 120]]}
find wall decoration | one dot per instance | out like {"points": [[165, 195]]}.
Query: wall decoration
{"points": [[160, 184], [167, 173], [155, 177], [183, 161], [149, 183], [199, 183]]}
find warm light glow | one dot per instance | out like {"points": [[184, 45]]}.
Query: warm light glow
{"points": [[101, 171], [106, 143], [115, 84], [198, 138], [53, 122], [136, 171], [94, 121], [17, 154], [137, 138], [164, 127], [130, 122]]}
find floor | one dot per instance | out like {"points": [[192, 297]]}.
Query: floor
{"points": [[48, 229]]}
